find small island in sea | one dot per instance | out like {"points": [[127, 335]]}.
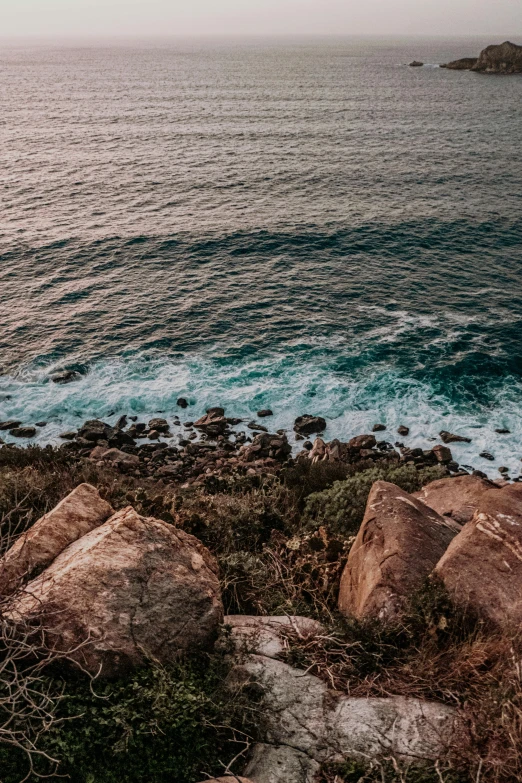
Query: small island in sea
{"points": [[505, 58]]}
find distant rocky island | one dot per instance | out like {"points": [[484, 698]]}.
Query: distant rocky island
{"points": [[504, 58]]}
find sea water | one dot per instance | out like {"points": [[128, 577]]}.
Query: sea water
{"points": [[306, 225]]}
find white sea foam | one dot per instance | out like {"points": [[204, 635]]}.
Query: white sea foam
{"points": [[351, 405]]}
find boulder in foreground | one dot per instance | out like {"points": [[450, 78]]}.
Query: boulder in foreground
{"points": [[135, 588], [399, 543], [80, 512], [482, 568]]}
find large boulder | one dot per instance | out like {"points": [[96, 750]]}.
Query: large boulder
{"points": [[129, 591], [398, 545], [80, 512], [482, 568], [307, 424], [325, 726], [457, 497]]}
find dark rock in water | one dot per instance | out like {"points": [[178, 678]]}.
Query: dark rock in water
{"points": [[9, 425], [442, 454], [41, 424], [264, 413], [2, 442], [253, 425], [133, 418], [154, 435], [378, 427], [215, 412], [68, 435], [213, 423], [182, 402], [504, 58], [234, 421], [503, 432], [23, 432], [160, 425], [503, 470], [308, 445], [479, 473], [487, 455], [448, 437], [362, 442], [307, 425], [416, 64], [68, 376], [465, 64], [121, 423], [402, 430]]}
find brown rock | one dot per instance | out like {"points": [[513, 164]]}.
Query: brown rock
{"points": [[132, 590], [362, 442], [482, 568], [117, 456], [308, 425], [457, 497], [397, 547], [80, 512], [442, 454], [449, 437]]}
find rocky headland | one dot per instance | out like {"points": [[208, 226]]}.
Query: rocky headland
{"points": [[505, 58]]}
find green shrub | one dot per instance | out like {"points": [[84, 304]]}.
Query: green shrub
{"points": [[161, 725], [341, 508]]}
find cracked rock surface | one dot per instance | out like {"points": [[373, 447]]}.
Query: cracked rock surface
{"points": [[134, 587], [307, 725], [80, 512], [482, 568], [398, 544]]}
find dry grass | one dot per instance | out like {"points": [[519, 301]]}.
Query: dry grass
{"points": [[435, 654]]}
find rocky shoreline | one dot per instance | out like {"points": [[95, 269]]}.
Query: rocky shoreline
{"points": [[217, 446]]}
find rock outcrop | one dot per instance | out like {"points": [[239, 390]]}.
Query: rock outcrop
{"points": [[399, 543], [456, 497], [76, 515], [464, 64], [503, 58], [482, 567], [307, 424], [320, 726], [130, 590]]}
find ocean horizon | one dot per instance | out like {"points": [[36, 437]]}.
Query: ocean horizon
{"points": [[304, 225]]}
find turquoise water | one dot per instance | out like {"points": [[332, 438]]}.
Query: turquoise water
{"points": [[310, 226]]}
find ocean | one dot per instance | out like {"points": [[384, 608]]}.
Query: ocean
{"points": [[307, 225]]}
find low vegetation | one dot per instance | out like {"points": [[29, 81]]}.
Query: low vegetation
{"points": [[281, 543]]}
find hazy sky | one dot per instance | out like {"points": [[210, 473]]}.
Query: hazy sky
{"points": [[181, 17]]}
